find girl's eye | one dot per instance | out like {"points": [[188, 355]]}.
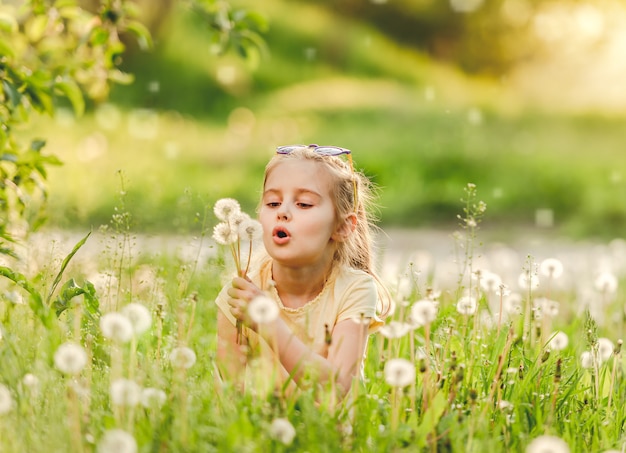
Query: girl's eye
{"points": [[272, 204], [304, 205]]}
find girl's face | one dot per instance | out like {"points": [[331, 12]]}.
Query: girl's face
{"points": [[298, 214]]}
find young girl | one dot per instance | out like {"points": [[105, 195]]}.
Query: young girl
{"points": [[318, 270]]}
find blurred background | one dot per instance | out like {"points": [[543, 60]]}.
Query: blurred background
{"points": [[524, 98]]}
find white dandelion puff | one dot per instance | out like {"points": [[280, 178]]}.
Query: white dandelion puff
{"points": [[250, 229], [467, 305], [152, 398], [263, 310], [513, 304], [586, 359], [116, 327], [547, 444], [117, 441], [182, 357], [30, 381], [6, 400], [551, 268], [422, 312], [399, 372], [528, 281], [605, 282], [395, 329], [282, 430], [139, 316], [70, 358], [558, 341], [225, 208], [223, 234], [125, 392], [490, 282], [605, 349]]}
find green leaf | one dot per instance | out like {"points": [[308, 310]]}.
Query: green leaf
{"points": [[37, 144], [64, 264], [11, 92], [141, 31], [431, 418], [71, 91], [36, 303]]}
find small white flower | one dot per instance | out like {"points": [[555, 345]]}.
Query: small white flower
{"points": [[250, 229], [503, 290], [605, 282], [139, 316], [405, 287], [117, 441], [558, 342], [513, 304], [423, 312], [225, 208], [467, 305], [551, 268], [6, 400], [282, 430], [547, 444], [586, 359], [182, 357], [30, 381], [125, 392], [399, 372], [546, 306], [263, 310], [223, 234], [153, 398], [489, 281], [395, 329], [70, 358], [605, 349], [116, 327], [528, 281], [505, 405]]}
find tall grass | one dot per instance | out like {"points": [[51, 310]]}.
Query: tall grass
{"points": [[486, 373]]}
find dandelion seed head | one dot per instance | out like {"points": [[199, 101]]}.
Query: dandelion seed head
{"points": [[559, 341], [263, 310], [6, 400], [117, 441], [467, 305], [551, 268], [605, 282], [139, 316], [182, 357], [225, 208], [586, 359], [152, 398], [528, 281], [422, 312], [513, 304], [30, 381], [395, 329], [70, 358], [116, 327], [282, 430], [399, 372], [605, 349], [547, 444], [490, 281], [223, 234], [125, 392], [251, 229]]}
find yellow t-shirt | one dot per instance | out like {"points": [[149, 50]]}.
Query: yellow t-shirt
{"points": [[348, 294]]}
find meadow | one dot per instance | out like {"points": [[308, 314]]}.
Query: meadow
{"points": [[109, 346]]}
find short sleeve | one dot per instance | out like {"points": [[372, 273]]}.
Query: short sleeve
{"points": [[360, 300], [222, 303]]}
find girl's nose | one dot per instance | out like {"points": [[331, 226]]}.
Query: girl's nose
{"points": [[283, 212]]}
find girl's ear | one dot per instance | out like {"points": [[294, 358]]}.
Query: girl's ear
{"points": [[345, 228]]}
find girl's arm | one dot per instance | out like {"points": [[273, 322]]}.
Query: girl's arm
{"points": [[347, 347], [231, 359]]}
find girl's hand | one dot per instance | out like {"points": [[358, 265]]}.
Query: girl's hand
{"points": [[242, 292]]}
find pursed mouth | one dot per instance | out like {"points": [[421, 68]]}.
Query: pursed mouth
{"points": [[280, 234]]}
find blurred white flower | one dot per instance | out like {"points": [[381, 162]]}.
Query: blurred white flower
{"points": [[503, 290], [513, 304], [489, 281], [395, 329], [6, 400], [125, 392], [263, 310], [559, 341], [605, 349], [182, 357], [547, 306], [116, 327], [223, 234], [152, 398], [551, 268], [30, 381], [405, 287], [422, 312], [70, 358], [586, 359], [139, 316], [282, 430], [467, 305], [117, 441], [605, 282], [399, 372], [505, 405], [528, 281], [547, 444], [225, 208]]}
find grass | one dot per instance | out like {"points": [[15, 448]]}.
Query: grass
{"points": [[482, 383]]}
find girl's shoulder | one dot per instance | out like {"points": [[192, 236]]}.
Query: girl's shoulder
{"points": [[346, 276]]}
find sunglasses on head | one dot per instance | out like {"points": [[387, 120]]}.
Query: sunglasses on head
{"points": [[325, 151]]}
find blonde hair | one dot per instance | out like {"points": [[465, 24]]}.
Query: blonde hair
{"points": [[357, 250]]}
